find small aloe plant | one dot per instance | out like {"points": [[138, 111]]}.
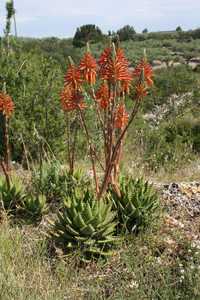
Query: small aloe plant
{"points": [[55, 182], [86, 224], [13, 194], [136, 204], [35, 206]]}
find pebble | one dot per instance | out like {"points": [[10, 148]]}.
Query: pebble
{"points": [[186, 195]]}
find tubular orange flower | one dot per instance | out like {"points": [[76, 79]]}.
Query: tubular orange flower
{"points": [[6, 105], [73, 77], [71, 100], [88, 67], [141, 91], [144, 69], [102, 95], [121, 117]]}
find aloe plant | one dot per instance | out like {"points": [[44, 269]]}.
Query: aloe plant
{"points": [[86, 224], [35, 206], [55, 183], [13, 195], [137, 203]]}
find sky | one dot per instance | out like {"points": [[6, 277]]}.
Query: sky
{"points": [[47, 18]]}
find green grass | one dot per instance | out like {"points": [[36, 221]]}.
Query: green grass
{"points": [[158, 264]]}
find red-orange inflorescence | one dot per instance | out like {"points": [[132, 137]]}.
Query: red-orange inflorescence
{"points": [[73, 77], [141, 91], [71, 99], [115, 68], [144, 72], [88, 68], [104, 59], [102, 96], [6, 105], [125, 85], [121, 117]]}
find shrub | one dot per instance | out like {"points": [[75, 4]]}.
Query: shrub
{"points": [[86, 224], [137, 203]]}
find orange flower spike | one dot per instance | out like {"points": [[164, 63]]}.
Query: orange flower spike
{"points": [[73, 75], [6, 105], [78, 100], [121, 117], [121, 65], [125, 86], [105, 57], [67, 99], [116, 68], [102, 96], [144, 69], [88, 67], [71, 99], [141, 91], [121, 57]]}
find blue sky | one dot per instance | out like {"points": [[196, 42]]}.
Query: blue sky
{"points": [[41, 18]]}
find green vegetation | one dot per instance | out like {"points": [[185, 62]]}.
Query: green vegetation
{"points": [[60, 240], [87, 33], [34, 74], [11, 194], [86, 224], [34, 206], [147, 267], [136, 204], [126, 33], [55, 182]]}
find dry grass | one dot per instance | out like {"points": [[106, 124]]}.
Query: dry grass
{"points": [[161, 263]]}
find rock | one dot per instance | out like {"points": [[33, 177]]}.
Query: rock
{"points": [[172, 222], [162, 66], [183, 195], [176, 64], [195, 60], [193, 65], [171, 63], [156, 63]]}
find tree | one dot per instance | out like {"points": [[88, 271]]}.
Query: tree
{"points": [[145, 30], [179, 29], [87, 33], [126, 33]]}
